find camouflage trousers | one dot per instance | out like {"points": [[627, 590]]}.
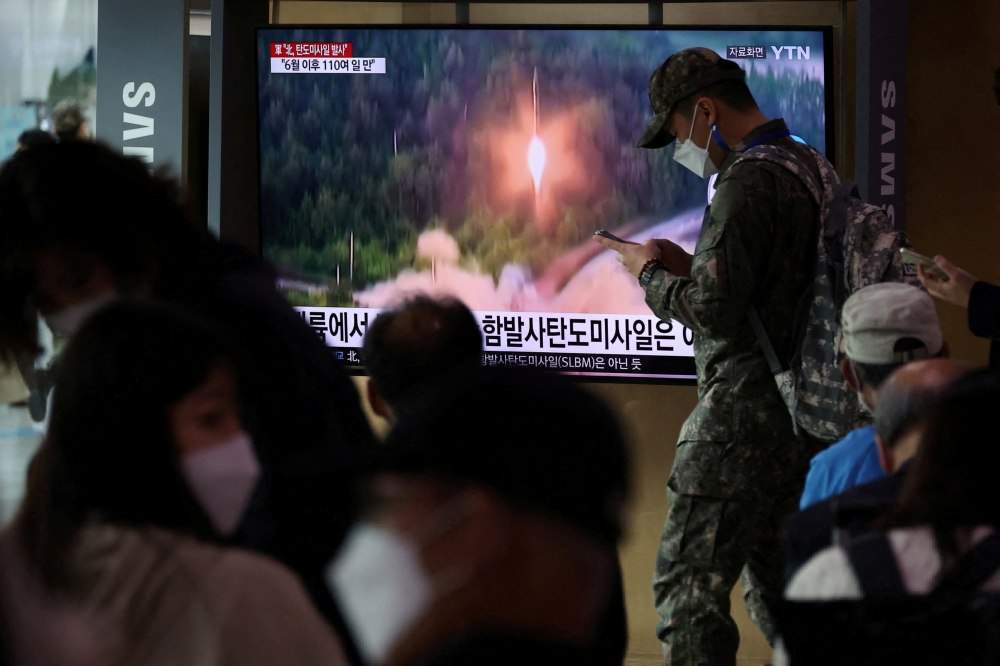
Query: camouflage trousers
{"points": [[710, 541]]}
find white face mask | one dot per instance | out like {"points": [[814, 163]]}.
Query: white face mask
{"points": [[861, 396], [380, 583], [66, 322], [864, 405], [222, 479], [689, 155]]}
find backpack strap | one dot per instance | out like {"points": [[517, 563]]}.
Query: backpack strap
{"points": [[790, 162], [765, 342], [784, 379], [972, 569], [874, 563]]}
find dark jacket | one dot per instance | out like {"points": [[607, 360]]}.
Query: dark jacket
{"points": [[984, 316], [811, 530]]}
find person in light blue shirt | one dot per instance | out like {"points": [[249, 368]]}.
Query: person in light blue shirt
{"points": [[885, 326]]}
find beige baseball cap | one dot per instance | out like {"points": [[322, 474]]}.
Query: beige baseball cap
{"points": [[876, 318]]}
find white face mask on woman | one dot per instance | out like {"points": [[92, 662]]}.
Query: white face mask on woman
{"points": [[222, 478], [689, 155]]}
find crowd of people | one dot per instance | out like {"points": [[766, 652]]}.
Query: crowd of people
{"points": [[209, 490]]}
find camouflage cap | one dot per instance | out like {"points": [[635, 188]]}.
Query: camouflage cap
{"points": [[680, 76]]}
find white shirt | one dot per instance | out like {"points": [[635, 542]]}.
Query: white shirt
{"points": [[829, 575]]}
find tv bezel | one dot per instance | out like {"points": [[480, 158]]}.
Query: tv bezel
{"points": [[829, 89]]}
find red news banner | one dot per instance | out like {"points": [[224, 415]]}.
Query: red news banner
{"points": [[321, 58]]}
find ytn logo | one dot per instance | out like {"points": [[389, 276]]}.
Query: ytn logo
{"points": [[802, 52]]}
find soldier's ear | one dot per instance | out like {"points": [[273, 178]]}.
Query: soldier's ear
{"points": [[706, 107], [848, 372]]}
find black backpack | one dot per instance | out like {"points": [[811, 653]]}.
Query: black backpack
{"points": [[954, 625]]}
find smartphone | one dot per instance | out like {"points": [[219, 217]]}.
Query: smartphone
{"points": [[604, 233], [911, 258]]}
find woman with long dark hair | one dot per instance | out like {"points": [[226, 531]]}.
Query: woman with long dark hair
{"points": [[146, 470]]}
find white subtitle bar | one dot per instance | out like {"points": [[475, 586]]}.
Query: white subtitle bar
{"points": [[515, 332], [327, 65]]}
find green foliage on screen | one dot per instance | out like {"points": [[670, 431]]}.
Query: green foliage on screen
{"points": [[384, 157]]}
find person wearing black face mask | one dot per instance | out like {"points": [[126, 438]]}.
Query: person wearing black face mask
{"points": [[739, 465]]}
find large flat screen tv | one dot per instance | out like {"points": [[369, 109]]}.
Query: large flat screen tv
{"points": [[478, 161]]}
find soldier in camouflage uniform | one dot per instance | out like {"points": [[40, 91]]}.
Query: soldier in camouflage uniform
{"points": [[739, 467]]}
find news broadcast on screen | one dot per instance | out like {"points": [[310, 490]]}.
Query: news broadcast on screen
{"points": [[477, 163]]}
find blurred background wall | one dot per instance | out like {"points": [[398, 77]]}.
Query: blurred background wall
{"points": [[48, 54], [953, 193]]}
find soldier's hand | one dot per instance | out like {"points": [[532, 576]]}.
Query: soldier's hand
{"points": [[955, 290], [632, 255], [674, 257]]}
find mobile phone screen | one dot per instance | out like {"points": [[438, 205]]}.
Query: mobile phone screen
{"points": [[911, 258]]}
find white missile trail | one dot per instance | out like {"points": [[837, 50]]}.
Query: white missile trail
{"points": [[536, 149], [534, 100]]}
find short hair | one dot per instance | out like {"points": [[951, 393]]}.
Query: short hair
{"points": [[542, 442], [899, 408], [67, 118], [734, 94], [33, 138], [875, 374], [419, 340]]}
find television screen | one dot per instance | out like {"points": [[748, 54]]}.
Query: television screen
{"points": [[477, 162]]}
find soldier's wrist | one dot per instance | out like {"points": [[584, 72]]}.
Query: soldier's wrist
{"points": [[648, 270]]}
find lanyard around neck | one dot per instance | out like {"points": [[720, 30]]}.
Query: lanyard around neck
{"points": [[779, 134]]}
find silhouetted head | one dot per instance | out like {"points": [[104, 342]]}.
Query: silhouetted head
{"points": [[416, 342]]}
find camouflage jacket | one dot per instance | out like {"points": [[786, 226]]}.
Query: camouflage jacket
{"points": [[757, 246]]}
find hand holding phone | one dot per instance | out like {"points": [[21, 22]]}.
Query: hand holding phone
{"points": [[604, 233], [911, 258], [631, 255], [956, 285], [634, 255]]}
